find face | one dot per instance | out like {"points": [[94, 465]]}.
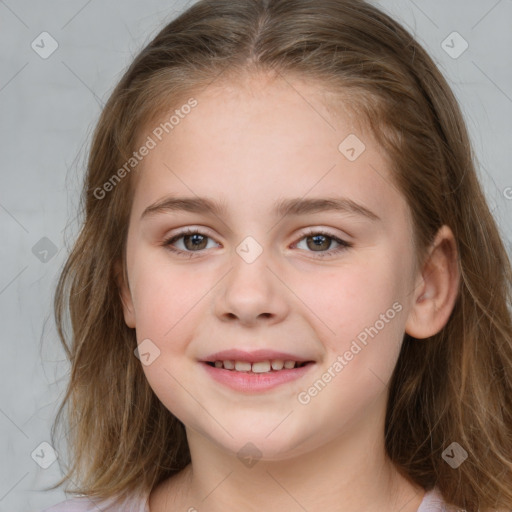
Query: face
{"points": [[332, 286]]}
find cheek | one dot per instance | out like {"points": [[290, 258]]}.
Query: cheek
{"points": [[167, 311], [165, 296], [350, 299], [362, 308]]}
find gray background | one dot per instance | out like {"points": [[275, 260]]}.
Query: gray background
{"points": [[48, 110]]}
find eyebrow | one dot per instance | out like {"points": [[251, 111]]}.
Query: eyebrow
{"points": [[284, 207]]}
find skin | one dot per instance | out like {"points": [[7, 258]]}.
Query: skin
{"points": [[251, 144]]}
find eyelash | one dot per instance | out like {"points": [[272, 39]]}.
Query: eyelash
{"points": [[191, 254]]}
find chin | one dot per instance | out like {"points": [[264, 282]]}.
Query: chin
{"points": [[259, 445]]}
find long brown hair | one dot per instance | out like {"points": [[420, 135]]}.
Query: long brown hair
{"points": [[453, 387]]}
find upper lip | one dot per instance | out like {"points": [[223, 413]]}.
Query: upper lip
{"points": [[254, 356]]}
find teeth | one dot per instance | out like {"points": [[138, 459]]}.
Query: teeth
{"points": [[242, 366], [259, 367]]}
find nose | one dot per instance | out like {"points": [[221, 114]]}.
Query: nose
{"points": [[251, 293]]}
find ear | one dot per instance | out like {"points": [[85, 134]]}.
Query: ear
{"points": [[125, 295], [436, 287]]}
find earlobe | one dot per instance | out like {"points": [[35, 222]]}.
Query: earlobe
{"points": [[436, 288], [125, 295]]}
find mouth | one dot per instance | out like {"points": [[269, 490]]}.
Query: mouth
{"points": [[258, 376], [267, 366]]}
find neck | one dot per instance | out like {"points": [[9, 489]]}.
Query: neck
{"points": [[349, 473], [314, 481]]}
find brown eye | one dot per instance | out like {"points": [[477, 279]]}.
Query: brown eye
{"points": [[195, 241], [319, 242]]}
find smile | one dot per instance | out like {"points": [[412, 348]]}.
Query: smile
{"points": [[243, 376], [257, 367]]}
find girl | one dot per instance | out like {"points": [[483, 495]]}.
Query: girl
{"points": [[288, 291]]}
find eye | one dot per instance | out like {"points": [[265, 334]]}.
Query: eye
{"points": [[193, 241], [319, 240]]}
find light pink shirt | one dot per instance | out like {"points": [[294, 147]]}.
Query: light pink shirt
{"points": [[432, 502]]}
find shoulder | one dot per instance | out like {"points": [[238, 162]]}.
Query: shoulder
{"points": [[433, 502], [86, 504], [73, 505]]}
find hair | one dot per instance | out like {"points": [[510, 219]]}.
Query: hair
{"points": [[453, 386]]}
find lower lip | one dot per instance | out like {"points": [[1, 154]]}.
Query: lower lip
{"points": [[250, 382]]}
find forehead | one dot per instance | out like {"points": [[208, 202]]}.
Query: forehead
{"points": [[265, 138]]}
